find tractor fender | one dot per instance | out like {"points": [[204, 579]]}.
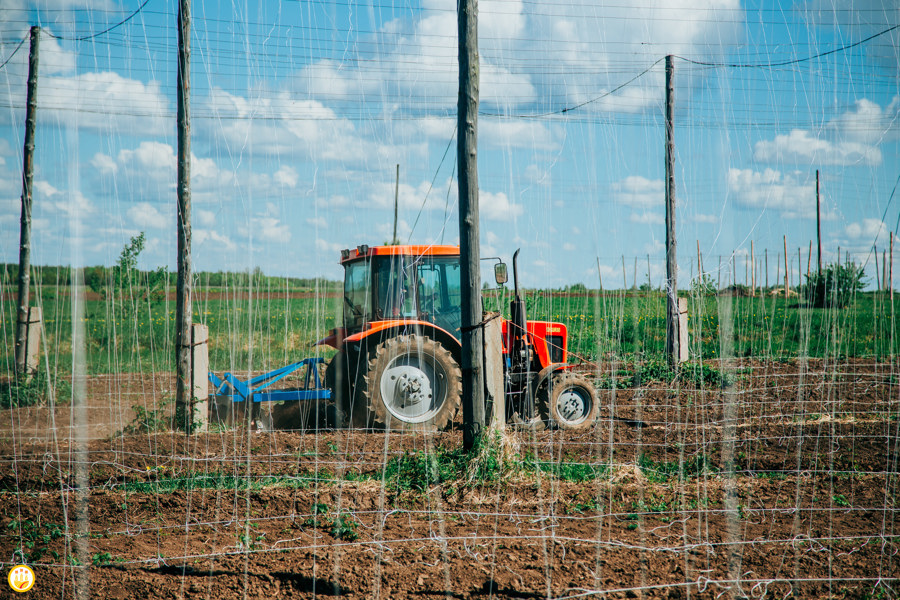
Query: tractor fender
{"points": [[545, 374], [385, 329]]}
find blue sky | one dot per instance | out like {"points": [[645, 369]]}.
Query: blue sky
{"points": [[302, 110]]}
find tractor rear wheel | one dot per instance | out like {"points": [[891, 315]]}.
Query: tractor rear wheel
{"points": [[412, 382], [569, 401]]}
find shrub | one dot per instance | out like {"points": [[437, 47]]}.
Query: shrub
{"points": [[704, 286], [834, 285]]}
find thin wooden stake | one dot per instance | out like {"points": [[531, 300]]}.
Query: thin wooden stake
{"points": [[877, 274], [787, 280], [752, 270]]}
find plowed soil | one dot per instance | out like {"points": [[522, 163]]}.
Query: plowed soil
{"points": [[783, 484]]}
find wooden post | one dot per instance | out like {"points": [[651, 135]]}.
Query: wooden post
{"points": [[818, 223], [877, 274], [777, 268], [200, 376], [699, 264], [469, 244], [787, 280], [183, 306], [599, 275], [719, 275], [752, 270], [24, 291], [672, 337], [394, 239], [808, 260]]}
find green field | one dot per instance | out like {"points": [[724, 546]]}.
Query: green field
{"points": [[260, 328]]}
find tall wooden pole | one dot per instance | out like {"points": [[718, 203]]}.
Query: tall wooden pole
{"points": [[818, 223], [808, 260], [183, 310], [671, 263], [752, 270], [877, 274], [394, 240], [787, 281], [25, 227], [699, 264], [469, 246]]}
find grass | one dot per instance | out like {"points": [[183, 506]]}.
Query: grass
{"points": [[257, 328], [665, 471]]}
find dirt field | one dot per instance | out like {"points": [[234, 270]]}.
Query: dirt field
{"points": [[782, 485]]}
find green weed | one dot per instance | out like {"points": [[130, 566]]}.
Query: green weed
{"points": [[661, 471], [36, 391], [34, 539]]}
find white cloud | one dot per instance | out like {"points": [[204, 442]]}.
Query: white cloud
{"points": [[328, 248], [639, 192], [801, 147], [211, 241], [869, 124], [271, 229], [286, 176], [105, 101], [284, 124], [144, 215], [701, 218], [417, 61], [204, 218], [498, 206], [104, 164], [647, 218], [788, 194], [867, 232]]}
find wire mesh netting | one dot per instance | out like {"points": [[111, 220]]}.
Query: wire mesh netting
{"points": [[763, 466]]}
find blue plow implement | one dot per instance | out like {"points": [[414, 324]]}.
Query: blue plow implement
{"points": [[252, 389]]}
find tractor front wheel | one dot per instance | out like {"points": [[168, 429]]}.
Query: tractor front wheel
{"points": [[570, 401], [412, 382]]}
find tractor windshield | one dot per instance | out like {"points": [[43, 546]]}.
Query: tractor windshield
{"points": [[424, 288], [395, 290]]}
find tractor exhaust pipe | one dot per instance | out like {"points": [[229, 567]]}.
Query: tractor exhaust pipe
{"points": [[519, 351], [516, 271]]}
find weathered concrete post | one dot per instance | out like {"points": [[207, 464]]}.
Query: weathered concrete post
{"points": [[33, 341], [493, 371], [199, 377], [684, 353]]}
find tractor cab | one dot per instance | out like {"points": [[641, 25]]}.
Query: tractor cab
{"points": [[402, 283]]}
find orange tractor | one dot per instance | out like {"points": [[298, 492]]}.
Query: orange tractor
{"points": [[399, 349], [399, 352]]}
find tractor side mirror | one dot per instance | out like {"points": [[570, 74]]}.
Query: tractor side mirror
{"points": [[500, 275]]}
